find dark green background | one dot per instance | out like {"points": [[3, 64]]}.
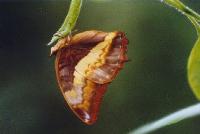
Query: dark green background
{"points": [[152, 85]]}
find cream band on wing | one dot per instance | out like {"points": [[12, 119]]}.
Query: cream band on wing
{"points": [[96, 58]]}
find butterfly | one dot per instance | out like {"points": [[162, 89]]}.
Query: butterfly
{"points": [[85, 65]]}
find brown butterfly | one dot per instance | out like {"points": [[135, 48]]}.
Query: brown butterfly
{"points": [[85, 64]]}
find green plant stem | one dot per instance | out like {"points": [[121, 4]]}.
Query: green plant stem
{"points": [[69, 22], [173, 118], [177, 4], [196, 24]]}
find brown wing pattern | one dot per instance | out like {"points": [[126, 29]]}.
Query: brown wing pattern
{"points": [[85, 65]]}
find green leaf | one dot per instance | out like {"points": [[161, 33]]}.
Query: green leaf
{"points": [[194, 69], [194, 62]]}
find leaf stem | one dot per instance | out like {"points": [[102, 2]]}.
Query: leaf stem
{"points": [[173, 118], [196, 24], [177, 4], [69, 22]]}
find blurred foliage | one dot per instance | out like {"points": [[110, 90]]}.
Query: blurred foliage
{"points": [[153, 84], [193, 76]]}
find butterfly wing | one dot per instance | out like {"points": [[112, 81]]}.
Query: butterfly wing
{"points": [[105, 60], [82, 95], [77, 69]]}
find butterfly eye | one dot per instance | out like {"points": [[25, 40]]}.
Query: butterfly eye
{"points": [[85, 69]]}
